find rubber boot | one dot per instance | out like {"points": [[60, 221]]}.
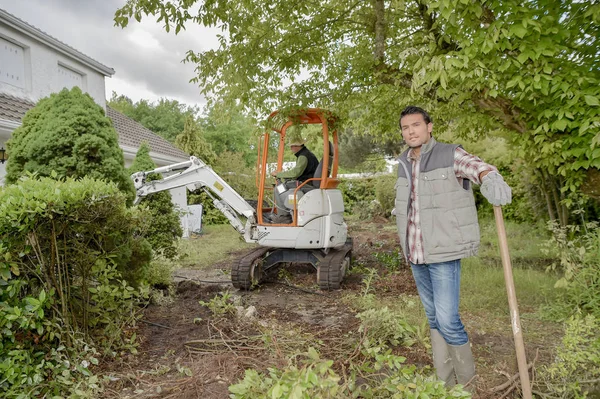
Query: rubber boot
{"points": [[442, 361], [464, 365]]}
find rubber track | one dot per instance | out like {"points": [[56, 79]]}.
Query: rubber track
{"points": [[240, 271], [329, 269]]}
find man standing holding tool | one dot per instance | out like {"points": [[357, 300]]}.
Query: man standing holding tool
{"points": [[437, 224]]}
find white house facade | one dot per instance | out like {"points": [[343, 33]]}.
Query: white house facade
{"points": [[34, 65]]}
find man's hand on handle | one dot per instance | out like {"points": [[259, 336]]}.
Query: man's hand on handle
{"points": [[495, 189]]}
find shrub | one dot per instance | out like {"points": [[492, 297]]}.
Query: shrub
{"points": [[164, 227], [385, 327], [578, 250], [67, 133], [575, 372], [385, 193], [65, 245]]}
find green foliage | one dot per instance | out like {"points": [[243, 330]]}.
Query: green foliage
{"points": [[392, 260], [164, 227], [192, 141], [369, 197], [385, 193], [67, 133], [577, 250], [165, 118], [65, 247], [575, 372], [228, 130], [221, 304], [382, 375], [160, 272], [362, 153], [384, 327]]}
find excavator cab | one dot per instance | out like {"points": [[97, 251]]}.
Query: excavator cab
{"points": [[325, 176]]}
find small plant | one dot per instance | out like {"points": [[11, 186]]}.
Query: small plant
{"points": [[313, 378], [391, 260], [385, 327], [221, 305], [578, 250], [575, 372]]}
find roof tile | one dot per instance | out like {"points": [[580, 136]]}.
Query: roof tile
{"points": [[133, 134]]}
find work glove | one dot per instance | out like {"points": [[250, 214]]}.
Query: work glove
{"points": [[495, 189]]}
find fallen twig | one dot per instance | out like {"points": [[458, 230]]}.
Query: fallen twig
{"points": [[156, 324], [204, 281], [511, 383]]}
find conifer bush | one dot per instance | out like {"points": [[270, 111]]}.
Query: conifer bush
{"points": [[67, 133]]}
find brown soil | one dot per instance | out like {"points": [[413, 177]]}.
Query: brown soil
{"points": [[186, 352]]}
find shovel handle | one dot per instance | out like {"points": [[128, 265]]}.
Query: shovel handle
{"points": [[515, 319]]}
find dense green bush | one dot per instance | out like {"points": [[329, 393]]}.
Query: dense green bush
{"points": [[67, 133], [164, 227], [575, 371], [369, 197], [577, 250], [66, 247]]}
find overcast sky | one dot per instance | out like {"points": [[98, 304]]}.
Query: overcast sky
{"points": [[146, 59]]}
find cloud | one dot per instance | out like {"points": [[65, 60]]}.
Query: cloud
{"points": [[146, 59]]}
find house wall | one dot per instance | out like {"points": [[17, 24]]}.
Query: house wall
{"points": [[40, 70]]}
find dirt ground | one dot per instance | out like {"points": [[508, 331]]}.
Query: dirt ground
{"points": [[186, 352]]}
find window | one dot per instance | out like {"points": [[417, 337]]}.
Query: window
{"points": [[12, 64], [69, 78]]}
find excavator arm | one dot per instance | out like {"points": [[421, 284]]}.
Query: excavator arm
{"points": [[195, 174]]}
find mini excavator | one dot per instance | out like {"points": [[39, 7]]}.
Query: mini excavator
{"points": [[317, 233]]}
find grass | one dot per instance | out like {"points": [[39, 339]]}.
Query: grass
{"points": [[524, 241], [215, 244], [483, 288]]}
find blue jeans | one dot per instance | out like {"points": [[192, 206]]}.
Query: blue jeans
{"points": [[439, 288]]}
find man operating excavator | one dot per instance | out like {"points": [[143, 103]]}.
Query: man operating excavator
{"points": [[305, 168]]}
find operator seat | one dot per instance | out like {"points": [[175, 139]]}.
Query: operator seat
{"points": [[317, 183]]}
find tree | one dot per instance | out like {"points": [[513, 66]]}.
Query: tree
{"points": [[164, 228], [192, 141], [531, 67], [67, 133], [165, 118], [228, 129]]}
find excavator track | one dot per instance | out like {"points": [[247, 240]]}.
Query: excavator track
{"points": [[247, 271], [332, 269]]}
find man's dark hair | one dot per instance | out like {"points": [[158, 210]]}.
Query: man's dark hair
{"points": [[411, 110]]}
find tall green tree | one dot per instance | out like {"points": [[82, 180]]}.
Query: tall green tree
{"points": [[164, 228], [228, 129], [165, 117], [67, 133], [531, 67], [192, 141]]}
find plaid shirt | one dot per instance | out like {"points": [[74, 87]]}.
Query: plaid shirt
{"points": [[466, 166]]}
